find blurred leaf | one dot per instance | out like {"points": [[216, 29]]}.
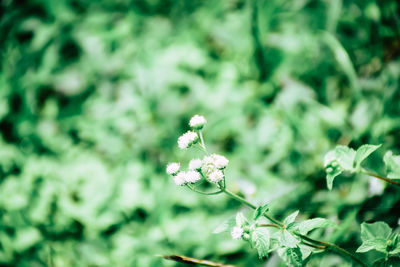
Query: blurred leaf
{"points": [[392, 165], [260, 240], [362, 153], [308, 225], [374, 236]]}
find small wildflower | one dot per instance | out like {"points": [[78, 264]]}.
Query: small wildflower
{"points": [[220, 161], [173, 168], [197, 122], [237, 232], [192, 176], [216, 176], [195, 164], [213, 162], [187, 139], [179, 179]]}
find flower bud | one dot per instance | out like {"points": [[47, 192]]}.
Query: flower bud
{"points": [[197, 122]]}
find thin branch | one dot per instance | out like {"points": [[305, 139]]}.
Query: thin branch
{"points": [[333, 247], [204, 193], [380, 177], [244, 201], [188, 260], [269, 225], [314, 246]]}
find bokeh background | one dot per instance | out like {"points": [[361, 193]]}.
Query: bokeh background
{"points": [[94, 94]]}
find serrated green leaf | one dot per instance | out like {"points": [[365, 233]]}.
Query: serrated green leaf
{"points": [[308, 225], [287, 239], [392, 163], [240, 219], [225, 226], [331, 176], [362, 153], [345, 157], [260, 239], [289, 219], [374, 236], [291, 256], [260, 211], [305, 251]]}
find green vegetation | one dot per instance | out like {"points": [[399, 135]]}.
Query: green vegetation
{"points": [[94, 95]]}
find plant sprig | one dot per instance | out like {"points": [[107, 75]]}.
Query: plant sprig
{"points": [[289, 238]]}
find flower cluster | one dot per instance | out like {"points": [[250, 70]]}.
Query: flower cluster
{"points": [[211, 167]]}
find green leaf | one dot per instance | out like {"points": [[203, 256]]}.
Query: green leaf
{"points": [[260, 239], [260, 211], [225, 226], [392, 165], [362, 153], [331, 176], [374, 236], [290, 219], [291, 256], [241, 220], [338, 160], [345, 157], [287, 239], [308, 225]]}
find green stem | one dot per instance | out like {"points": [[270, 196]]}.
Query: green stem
{"points": [[204, 193], [380, 177], [269, 225], [332, 247], [245, 202], [306, 238], [202, 144]]}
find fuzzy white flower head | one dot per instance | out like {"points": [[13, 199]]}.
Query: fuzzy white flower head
{"points": [[187, 139], [179, 179], [237, 232], [192, 176], [197, 122], [216, 176], [173, 168], [220, 161], [195, 164]]}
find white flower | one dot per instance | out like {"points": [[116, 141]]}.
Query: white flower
{"points": [[173, 168], [195, 164], [237, 232], [216, 176], [192, 176], [213, 162], [197, 122], [179, 179], [220, 161], [187, 139]]}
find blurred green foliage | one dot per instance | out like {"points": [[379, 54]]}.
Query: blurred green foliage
{"points": [[93, 95]]}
